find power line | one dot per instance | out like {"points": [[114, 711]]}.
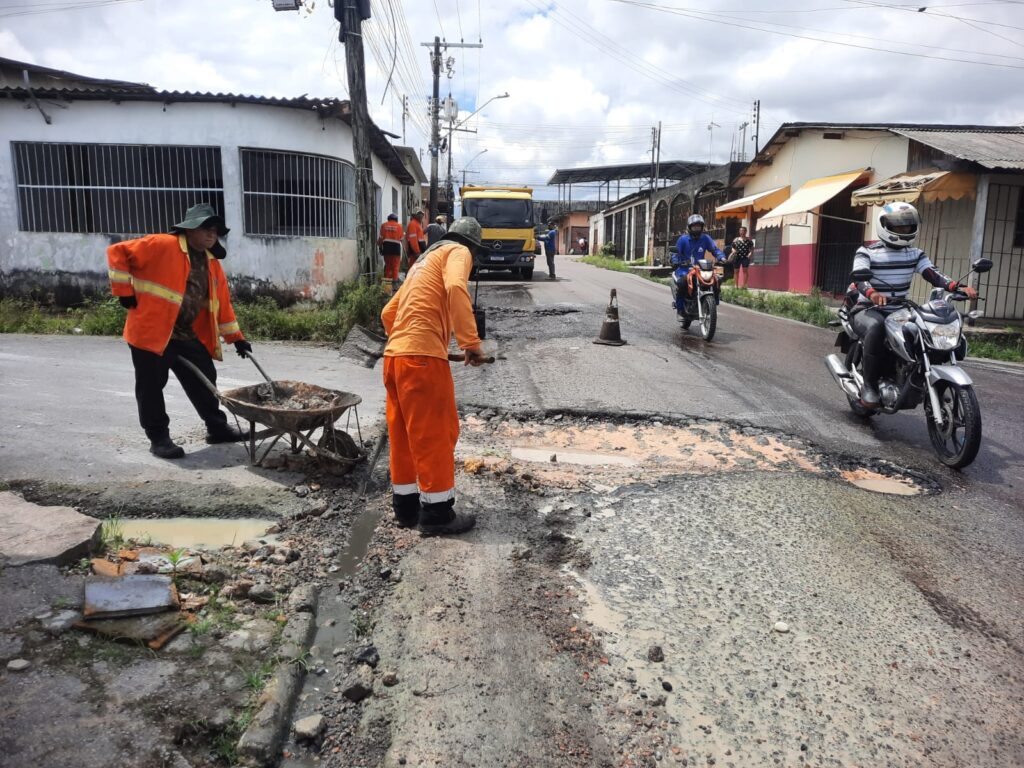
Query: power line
{"points": [[736, 23], [60, 7]]}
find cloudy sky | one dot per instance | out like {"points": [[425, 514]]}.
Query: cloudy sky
{"points": [[587, 79]]}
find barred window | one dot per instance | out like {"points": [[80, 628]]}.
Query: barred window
{"points": [[292, 194], [123, 189], [767, 245]]}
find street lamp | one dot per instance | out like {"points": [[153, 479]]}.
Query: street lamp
{"points": [[469, 164], [453, 126]]}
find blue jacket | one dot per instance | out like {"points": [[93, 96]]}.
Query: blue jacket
{"points": [[691, 251], [550, 241]]}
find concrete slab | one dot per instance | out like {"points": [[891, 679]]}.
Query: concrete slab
{"points": [[30, 533]]}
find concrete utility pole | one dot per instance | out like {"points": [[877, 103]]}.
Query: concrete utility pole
{"points": [[656, 162], [435, 114], [353, 12], [757, 127]]}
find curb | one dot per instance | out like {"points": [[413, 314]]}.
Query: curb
{"points": [[260, 744]]}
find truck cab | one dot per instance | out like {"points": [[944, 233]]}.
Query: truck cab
{"points": [[505, 215]]}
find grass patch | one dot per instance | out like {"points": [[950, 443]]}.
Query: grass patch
{"points": [[112, 534], [605, 262], [1011, 351], [261, 320], [807, 309]]}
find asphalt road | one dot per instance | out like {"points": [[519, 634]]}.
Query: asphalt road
{"points": [[759, 369]]}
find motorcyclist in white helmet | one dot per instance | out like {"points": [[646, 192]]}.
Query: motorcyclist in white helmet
{"points": [[893, 261]]}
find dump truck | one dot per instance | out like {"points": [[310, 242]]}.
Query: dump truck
{"points": [[506, 217]]}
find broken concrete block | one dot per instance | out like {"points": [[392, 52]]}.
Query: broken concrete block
{"points": [[18, 665], [303, 598], [309, 728], [61, 622], [30, 533], [128, 596], [359, 684]]}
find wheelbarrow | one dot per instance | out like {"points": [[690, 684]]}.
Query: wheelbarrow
{"points": [[296, 410]]}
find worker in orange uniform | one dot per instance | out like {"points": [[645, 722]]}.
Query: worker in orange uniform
{"points": [[423, 422], [390, 244], [416, 237], [176, 294]]}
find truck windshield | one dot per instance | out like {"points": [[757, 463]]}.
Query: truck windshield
{"points": [[506, 214]]}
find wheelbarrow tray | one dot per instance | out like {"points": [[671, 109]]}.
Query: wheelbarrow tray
{"points": [[254, 404]]}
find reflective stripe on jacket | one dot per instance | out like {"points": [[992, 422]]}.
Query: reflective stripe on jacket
{"points": [[155, 270]]}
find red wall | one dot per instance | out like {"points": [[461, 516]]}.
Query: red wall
{"points": [[794, 272]]}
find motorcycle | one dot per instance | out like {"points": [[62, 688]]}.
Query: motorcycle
{"points": [[702, 307], [923, 344]]}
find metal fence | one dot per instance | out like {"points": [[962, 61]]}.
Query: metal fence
{"points": [[124, 189], [293, 194], [1003, 287]]}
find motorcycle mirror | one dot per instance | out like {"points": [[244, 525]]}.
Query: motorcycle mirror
{"points": [[861, 275], [673, 249], [974, 314], [982, 265]]}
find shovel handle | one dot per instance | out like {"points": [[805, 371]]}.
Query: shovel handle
{"points": [[462, 359], [259, 367]]}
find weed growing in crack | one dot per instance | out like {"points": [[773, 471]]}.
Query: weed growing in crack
{"points": [[112, 533], [256, 678]]}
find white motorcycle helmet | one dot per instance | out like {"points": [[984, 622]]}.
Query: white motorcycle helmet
{"points": [[694, 219], [898, 224]]}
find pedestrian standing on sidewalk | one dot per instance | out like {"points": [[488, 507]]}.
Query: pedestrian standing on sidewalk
{"points": [[390, 244], [423, 421], [415, 237], [742, 248], [176, 294]]}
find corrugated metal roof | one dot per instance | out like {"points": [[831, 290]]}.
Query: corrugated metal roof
{"points": [[326, 108], [668, 169], [997, 148]]}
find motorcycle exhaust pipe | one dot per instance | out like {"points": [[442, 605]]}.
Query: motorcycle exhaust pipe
{"points": [[842, 375]]}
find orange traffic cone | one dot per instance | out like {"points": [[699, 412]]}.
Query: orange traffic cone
{"points": [[610, 335]]}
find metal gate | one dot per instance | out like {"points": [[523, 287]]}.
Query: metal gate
{"points": [[840, 235], [1003, 288]]}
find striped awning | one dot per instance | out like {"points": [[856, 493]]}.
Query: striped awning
{"points": [[924, 186], [811, 195], [760, 201]]}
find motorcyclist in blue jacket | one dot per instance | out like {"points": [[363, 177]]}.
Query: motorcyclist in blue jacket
{"points": [[690, 248]]}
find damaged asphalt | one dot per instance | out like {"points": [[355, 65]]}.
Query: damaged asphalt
{"points": [[674, 565]]}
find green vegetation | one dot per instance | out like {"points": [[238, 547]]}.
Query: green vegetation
{"points": [[261, 320], [605, 261], [807, 309], [112, 534], [1010, 350]]}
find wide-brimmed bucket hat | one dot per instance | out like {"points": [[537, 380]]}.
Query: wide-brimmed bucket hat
{"points": [[204, 215]]}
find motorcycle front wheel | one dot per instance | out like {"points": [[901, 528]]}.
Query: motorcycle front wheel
{"points": [[709, 322], [958, 439]]}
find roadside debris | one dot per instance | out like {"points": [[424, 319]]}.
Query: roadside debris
{"points": [[107, 598]]}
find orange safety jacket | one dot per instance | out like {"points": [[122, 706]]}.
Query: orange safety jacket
{"points": [[414, 234], [155, 270], [390, 230]]}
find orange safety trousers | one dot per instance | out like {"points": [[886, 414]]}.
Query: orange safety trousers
{"points": [[423, 426]]}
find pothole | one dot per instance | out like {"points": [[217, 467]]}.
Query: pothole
{"points": [[195, 533], [879, 483]]}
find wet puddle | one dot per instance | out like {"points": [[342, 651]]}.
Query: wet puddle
{"points": [[197, 533], [561, 456], [333, 630], [878, 483]]}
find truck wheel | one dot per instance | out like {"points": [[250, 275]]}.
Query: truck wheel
{"points": [[527, 273]]}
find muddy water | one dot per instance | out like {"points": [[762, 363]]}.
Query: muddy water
{"points": [[334, 630], [571, 457], [873, 481], [198, 533]]}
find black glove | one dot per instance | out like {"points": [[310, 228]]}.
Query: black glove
{"points": [[128, 302], [243, 348]]}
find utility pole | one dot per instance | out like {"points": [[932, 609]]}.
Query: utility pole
{"points": [[757, 127], [405, 112], [656, 159], [435, 113], [351, 13]]}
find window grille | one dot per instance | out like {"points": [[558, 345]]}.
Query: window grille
{"points": [[292, 194], [767, 245], [121, 189]]}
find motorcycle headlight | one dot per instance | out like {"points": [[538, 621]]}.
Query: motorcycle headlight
{"points": [[894, 322], [944, 336], [706, 275]]}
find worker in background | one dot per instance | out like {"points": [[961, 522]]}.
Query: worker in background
{"points": [[436, 230], [550, 247], [416, 237], [423, 422], [389, 242], [176, 294]]}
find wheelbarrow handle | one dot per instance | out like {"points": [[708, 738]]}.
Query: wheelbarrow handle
{"points": [[259, 367]]}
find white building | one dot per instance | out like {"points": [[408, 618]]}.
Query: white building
{"points": [[87, 162]]}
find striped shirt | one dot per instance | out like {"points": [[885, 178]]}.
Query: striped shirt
{"points": [[892, 269]]}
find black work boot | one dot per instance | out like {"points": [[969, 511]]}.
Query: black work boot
{"points": [[225, 433], [407, 509], [165, 448], [441, 519]]}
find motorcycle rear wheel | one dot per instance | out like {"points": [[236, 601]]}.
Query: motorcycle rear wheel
{"points": [[958, 440], [709, 322]]}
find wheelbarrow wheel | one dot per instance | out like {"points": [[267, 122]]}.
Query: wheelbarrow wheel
{"points": [[342, 444]]}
